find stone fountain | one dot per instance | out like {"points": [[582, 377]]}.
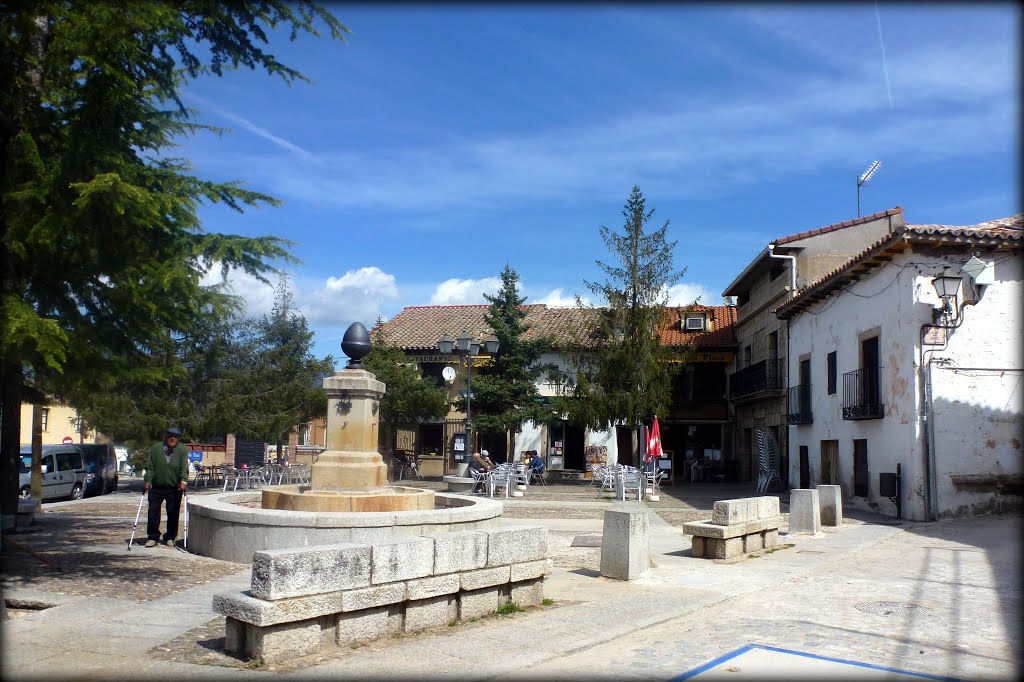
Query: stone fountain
{"points": [[350, 476], [348, 499]]}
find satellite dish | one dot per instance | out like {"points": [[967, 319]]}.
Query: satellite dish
{"points": [[449, 374]]}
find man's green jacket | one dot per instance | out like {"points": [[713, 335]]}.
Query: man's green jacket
{"points": [[163, 474]]}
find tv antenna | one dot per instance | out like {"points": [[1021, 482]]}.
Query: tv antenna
{"points": [[863, 178]]}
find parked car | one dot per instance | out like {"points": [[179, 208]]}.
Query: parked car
{"points": [[63, 470], [101, 465]]}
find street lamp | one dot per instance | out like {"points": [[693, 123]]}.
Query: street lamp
{"points": [[466, 345], [947, 285]]}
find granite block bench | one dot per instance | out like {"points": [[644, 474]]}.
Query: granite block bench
{"points": [[341, 594], [737, 527]]}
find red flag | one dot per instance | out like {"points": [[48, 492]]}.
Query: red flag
{"points": [[654, 442]]}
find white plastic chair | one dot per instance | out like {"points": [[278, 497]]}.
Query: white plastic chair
{"points": [[501, 477], [631, 480]]}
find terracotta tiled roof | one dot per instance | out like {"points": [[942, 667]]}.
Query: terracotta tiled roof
{"points": [[721, 335], [839, 226], [417, 328], [1001, 232]]}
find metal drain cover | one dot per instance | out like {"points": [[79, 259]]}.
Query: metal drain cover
{"points": [[586, 541], [891, 608]]}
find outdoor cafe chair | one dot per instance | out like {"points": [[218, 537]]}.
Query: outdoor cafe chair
{"points": [[537, 475], [630, 480], [202, 476], [500, 478], [232, 478], [521, 474], [480, 479]]}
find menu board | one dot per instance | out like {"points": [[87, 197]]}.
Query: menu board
{"points": [[595, 455]]}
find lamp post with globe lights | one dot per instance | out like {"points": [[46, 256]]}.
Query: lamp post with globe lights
{"points": [[466, 345]]}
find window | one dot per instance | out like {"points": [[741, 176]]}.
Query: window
{"points": [[695, 323], [830, 361], [746, 356], [303, 434], [68, 461], [46, 417], [860, 467]]}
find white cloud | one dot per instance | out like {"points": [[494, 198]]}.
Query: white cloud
{"points": [[685, 294], [258, 296], [358, 295], [465, 291], [557, 299]]}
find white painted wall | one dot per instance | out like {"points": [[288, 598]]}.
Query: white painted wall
{"points": [[896, 300]]}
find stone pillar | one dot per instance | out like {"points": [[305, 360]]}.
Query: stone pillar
{"points": [[351, 461], [626, 543], [830, 497], [804, 512]]}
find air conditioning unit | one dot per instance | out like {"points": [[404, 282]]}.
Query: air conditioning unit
{"points": [[694, 324]]}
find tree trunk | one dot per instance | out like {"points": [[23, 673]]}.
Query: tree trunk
{"points": [[10, 440], [37, 452]]}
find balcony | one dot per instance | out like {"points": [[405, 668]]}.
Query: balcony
{"points": [[861, 395], [767, 375], [799, 400]]}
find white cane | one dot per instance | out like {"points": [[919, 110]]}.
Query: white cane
{"points": [[184, 500], [137, 515]]}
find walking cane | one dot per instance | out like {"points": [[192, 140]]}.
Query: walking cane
{"points": [[137, 515], [184, 501]]}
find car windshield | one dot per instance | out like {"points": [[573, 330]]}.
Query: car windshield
{"points": [[25, 465]]}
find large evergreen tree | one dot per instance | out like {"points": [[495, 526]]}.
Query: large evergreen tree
{"points": [[623, 372], [505, 389], [276, 382], [409, 397], [101, 248]]}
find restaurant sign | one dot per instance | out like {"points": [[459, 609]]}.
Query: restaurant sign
{"points": [[704, 357]]}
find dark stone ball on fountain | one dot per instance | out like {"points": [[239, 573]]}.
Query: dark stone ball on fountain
{"points": [[356, 343]]}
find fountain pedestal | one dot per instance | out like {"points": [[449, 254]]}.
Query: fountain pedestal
{"points": [[350, 475]]}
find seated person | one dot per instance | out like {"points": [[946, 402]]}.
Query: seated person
{"points": [[536, 466], [486, 459], [476, 467]]}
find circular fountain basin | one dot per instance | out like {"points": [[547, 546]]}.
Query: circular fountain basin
{"points": [[392, 498], [233, 526]]}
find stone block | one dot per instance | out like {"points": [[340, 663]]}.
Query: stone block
{"points": [[370, 597], [753, 542], [458, 551], [723, 548], [768, 507], [625, 544], [516, 544], [698, 546], [707, 529], [727, 512], [528, 570], [830, 499], [433, 586], [244, 607], [479, 603], [300, 572], [771, 538], [527, 592], [804, 511], [485, 577], [401, 559], [276, 643], [428, 613], [368, 624], [234, 636]]}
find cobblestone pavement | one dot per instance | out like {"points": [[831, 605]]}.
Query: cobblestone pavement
{"points": [[941, 598]]}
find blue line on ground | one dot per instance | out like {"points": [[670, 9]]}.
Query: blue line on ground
{"points": [[743, 649]]}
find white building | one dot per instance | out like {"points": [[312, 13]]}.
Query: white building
{"points": [[885, 372]]}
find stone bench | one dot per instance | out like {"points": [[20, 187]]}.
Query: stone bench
{"points": [[737, 527], [301, 599], [458, 484]]}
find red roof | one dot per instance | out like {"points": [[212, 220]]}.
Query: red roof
{"points": [[839, 226], [1001, 232], [417, 328]]}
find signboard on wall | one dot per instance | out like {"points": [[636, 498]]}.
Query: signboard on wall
{"points": [[195, 456]]}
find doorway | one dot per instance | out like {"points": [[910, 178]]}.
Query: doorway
{"points": [[805, 468], [573, 447], [624, 443]]}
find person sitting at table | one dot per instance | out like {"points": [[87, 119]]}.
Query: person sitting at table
{"points": [[476, 466], [486, 459], [536, 465]]}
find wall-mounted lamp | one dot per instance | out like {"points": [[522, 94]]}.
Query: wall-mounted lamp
{"points": [[947, 285]]}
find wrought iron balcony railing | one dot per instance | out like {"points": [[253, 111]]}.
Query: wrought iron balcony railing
{"points": [[766, 375], [799, 401], [862, 394]]}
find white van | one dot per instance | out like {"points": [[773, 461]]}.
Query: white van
{"points": [[63, 469]]}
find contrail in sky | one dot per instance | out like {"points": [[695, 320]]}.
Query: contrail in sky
{"points": [[885, 65]]}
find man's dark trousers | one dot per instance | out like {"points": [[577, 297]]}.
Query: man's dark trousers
{"points": [[156, 497]]}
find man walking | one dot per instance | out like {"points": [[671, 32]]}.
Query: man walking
{"points": [[166, 478]]}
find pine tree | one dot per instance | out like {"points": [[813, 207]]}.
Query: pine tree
{"points": [[623, 373], [101, 247], [505, 390]]}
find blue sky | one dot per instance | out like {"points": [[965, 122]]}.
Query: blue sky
{"points": [[442, 142]]}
